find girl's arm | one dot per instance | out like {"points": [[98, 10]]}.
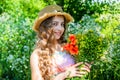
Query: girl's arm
{"points": [[60, 76], [35, 72]]}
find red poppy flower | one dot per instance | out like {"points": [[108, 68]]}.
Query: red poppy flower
{"points": [[74, 50], [67, 47], [73, 42], [72, 37], [71, 46]]}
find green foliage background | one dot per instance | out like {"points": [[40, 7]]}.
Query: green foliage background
{"points": [[97, 27]]}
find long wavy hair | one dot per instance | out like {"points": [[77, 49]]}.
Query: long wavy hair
{"points": [[47, 47]]}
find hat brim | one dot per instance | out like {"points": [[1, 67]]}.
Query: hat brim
{"points": [[67, 16]]}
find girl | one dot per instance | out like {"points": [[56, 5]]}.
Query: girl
{"points": [[48, 60]]}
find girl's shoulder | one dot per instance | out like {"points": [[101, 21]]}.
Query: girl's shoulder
{"points": [[34, 54], [36, 51]]}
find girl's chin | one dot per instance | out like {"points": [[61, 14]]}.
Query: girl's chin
{"points": [[57, 37]]}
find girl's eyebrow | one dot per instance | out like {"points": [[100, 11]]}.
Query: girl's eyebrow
{"points": [[55, 21], [58, 21]]}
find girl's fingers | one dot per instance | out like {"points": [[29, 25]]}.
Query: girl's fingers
{"points": [[77, 64], [88, 65], [85, 69], [78, 75], [77, 69], [81, 73]]}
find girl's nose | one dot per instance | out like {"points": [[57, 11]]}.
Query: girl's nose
{"points": [[59, 27]]}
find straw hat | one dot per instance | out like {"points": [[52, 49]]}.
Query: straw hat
{"points": [[50, 11]]}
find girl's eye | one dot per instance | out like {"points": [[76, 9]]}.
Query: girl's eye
{"points": [[62, 24], [54, 24]]}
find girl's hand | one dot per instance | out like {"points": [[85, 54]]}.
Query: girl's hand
{"points": [[75, 71]]}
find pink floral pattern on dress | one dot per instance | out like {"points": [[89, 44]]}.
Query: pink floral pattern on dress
{"points": [[62, 60]]}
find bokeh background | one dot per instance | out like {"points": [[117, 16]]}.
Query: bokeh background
{"points": [[96, 25]]}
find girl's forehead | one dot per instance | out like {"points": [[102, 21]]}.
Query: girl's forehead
{"points": [[58, 18]]}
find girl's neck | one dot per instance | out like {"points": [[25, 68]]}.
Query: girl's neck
{"points": [[58, 47]]}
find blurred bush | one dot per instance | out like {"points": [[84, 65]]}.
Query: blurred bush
{"points": [[16, 41], [17, 38], [98, 39]]}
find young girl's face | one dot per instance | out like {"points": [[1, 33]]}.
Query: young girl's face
{"points": [[58, 26]]}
